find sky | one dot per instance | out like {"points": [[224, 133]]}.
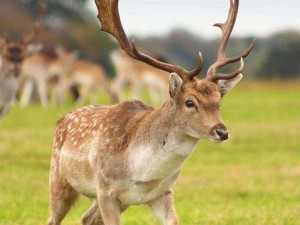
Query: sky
{"points": [[256, 17]]}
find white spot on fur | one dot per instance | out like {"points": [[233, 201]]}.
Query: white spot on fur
{"points": [[121, 138], [107, 141]]}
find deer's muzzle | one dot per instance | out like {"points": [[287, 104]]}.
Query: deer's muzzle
{"points": [[220, 131]]}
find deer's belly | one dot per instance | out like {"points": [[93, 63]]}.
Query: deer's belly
{"points": [[140, 193], [84, 186], [78, 172], [143, 192]]}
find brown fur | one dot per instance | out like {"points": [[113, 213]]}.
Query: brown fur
{"points": [[106, 135], [144, 168]]}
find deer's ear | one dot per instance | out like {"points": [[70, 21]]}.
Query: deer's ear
{"points": [[225, 86], [175, 84]]}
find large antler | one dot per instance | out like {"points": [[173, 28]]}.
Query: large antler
{"points": [[37, 25], [108, 15], [222, 59]]}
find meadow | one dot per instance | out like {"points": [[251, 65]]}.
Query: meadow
{"points": [[252, 179]]}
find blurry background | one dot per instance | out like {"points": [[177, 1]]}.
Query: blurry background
{"points": [[254, 178], [173, 29]]}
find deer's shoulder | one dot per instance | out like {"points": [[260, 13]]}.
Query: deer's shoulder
{"points": [[110, 122]]}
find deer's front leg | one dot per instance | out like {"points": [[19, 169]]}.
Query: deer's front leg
{"points": [[110, 208], [163, 207]]}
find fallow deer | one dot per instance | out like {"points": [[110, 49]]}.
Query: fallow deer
{"points": [[130, 153], [40, 69], [88, 77], [139, 76], [12, 55]]}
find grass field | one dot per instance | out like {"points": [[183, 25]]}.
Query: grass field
{"points": [[252, 179]]}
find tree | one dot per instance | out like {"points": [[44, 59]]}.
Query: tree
{"points": [[282, 58], [65, 24]]}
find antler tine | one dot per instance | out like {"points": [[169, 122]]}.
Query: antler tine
{"points": [[37, 25], [186, 75], [221, 76], [108, 15], [222, 60], [196, 71]]}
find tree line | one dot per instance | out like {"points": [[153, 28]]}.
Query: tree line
{"points": [[69, 23], [275, 56]]}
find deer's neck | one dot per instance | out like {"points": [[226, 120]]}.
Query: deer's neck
{"points": [[160, 146]]}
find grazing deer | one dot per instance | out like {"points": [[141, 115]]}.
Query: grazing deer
{"points": [[130, 153], [40, 69], [88, 77], [12, 55], [139, 75]]}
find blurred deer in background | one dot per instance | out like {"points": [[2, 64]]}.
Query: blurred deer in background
{"points": [[130, 153], [40, 69], [87, 76], [12, 55], [139, 76]]}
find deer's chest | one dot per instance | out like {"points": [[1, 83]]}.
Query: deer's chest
{"points": [[155, 163]]}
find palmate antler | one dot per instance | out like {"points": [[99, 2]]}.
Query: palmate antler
{"points": [[37, 25], [108, 15], [222, 59]]}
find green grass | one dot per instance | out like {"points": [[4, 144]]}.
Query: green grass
{"points": [[253, 179]]}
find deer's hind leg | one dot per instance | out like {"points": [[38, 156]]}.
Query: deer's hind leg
{"points": [[62, 197], [93, 216]]}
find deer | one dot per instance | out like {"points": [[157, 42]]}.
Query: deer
{"points": [[130, 153], [12, 55], [40, 69], [139, 75], [88, 77]]}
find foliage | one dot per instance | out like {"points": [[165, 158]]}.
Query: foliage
{"points": [[273, 56], [251, 179], [61, 9], [282, 57], [68, 23], [65, 24]]}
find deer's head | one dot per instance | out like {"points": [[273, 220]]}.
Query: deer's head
{"points": [[197, 101], [13, 53], [198, 104]]}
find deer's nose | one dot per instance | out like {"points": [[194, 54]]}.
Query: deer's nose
{"points": [[223, 134], [220, 131]]}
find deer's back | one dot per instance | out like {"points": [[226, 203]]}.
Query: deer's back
{"points": [[94, 139]]}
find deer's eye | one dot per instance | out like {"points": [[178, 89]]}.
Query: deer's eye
{"points": [[189, 104]]}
